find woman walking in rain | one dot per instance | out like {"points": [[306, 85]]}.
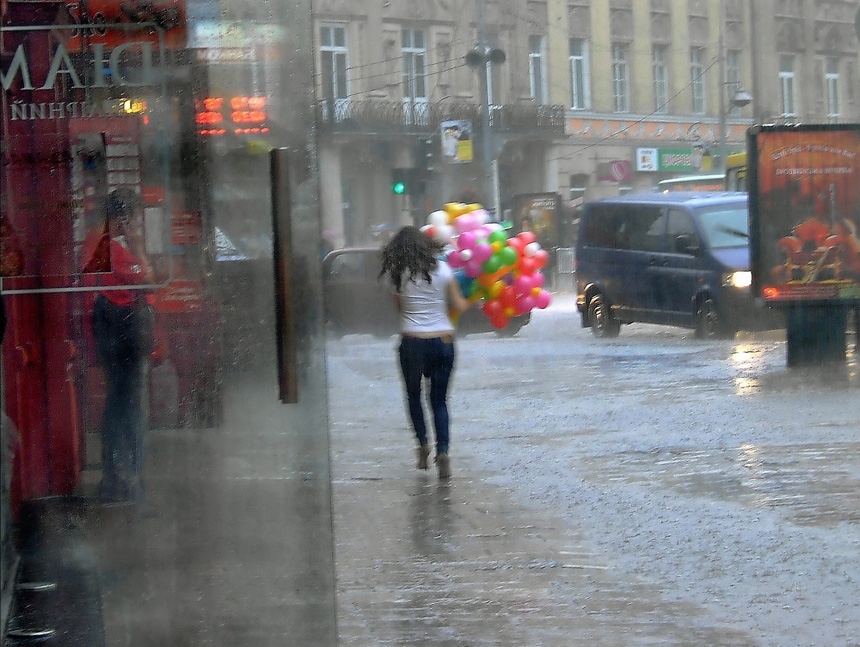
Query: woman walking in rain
{"points": [[425, 289]]}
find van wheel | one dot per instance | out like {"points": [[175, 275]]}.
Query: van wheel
{"points": [[709, 325], [602, 323]]}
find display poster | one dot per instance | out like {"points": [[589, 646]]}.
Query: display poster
{"points": [[457, 140], [805, 212], [539, 213]]}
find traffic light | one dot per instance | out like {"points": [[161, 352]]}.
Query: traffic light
{"points": [[407, 181], [399, 184]]}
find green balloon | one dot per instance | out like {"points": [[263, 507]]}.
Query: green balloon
{"points": [[492, 264], [508, 256], [498, 236]]}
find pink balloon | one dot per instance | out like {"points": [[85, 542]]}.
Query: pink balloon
{"points": [[543, 299], [483, 251], [466, 240], [537, 280], [455, 260], [523, 284], [472, 268], [524, 305], [466, 222]]}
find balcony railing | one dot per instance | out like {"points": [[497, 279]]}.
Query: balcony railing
{"points": [[419, 118]]}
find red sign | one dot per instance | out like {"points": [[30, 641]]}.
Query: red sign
{"points": [[181, 295], [614, 171], [152, 194], [187, 227], [244, 115], [113, 23]]}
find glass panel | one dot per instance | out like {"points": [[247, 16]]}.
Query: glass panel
{"points": [[155, 475]]}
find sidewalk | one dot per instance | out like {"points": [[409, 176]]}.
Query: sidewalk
{"points": [[424, 562]]}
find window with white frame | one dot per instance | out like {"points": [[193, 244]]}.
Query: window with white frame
{"points": [[831, 81], [580, 75], [414, 51], [333, 64], [621, 76], [537, 73], [733, 78], [660, 74], [697, 80], [786, 85]]}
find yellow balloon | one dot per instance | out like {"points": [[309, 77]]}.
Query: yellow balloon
{"points": [[496, 247], [536, 291], [496, 289], [509, 312], [456, 209], [473, 207]]}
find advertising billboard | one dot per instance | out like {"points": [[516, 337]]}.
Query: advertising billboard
{"points": [[805, 210]]}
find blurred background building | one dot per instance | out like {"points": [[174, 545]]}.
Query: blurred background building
{"points": [[579, 98]]}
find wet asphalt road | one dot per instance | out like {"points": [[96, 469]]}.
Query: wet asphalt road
{"points": [[648, 490]]}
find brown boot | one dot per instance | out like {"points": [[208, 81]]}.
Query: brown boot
{"points": [[443, 464], [423, 455]]}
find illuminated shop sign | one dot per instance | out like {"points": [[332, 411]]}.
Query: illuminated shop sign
{"points": [[238, 115]]}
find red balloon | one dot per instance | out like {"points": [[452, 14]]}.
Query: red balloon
{"points": [[527, 237], [499, 322], [492, 309], [527, 265], [541, 258], [517, 244], [508, 297]]}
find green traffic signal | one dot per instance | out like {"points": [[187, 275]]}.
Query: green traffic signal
{"points": [[399, 188]]}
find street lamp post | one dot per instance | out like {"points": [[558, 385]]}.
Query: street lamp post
{"points": [[740, 98], [481, 58]]}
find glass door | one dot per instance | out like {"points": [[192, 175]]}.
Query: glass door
{"points": [[166, 478]]}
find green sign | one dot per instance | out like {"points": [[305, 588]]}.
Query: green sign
{"points": [[676, 159]]}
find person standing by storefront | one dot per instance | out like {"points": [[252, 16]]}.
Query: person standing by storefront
{"points": [[122, 322], [425, 288]]}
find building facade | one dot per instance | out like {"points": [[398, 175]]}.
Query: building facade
{"points": [[584, 98]]}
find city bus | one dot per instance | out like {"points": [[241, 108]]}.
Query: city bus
{"points": [[736, 172]]}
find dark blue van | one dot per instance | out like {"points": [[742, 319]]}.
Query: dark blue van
{"points": [[680, 259]]}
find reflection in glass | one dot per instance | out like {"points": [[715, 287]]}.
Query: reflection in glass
{"points": [[214, 527]]}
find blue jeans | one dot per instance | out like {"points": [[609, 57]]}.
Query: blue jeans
{"points": [[126, 411], [432, 358]]}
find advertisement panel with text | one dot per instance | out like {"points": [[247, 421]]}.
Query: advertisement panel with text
{"points": [[805, 212]]}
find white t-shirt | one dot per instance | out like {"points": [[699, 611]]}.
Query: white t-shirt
{"points": [[424, 306]]}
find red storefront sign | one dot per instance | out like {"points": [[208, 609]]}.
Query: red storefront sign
{"points": [[141, 21]]}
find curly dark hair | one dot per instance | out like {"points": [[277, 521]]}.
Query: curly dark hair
{"points": [[121, 203], [410, 253]]}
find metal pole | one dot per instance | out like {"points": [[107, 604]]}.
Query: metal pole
{"points": [[721, 89], [489, 185]]}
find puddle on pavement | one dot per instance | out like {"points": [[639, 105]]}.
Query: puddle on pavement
{"points": [[787, 477]]}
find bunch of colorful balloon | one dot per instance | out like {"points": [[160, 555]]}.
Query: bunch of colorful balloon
{"points": [[504, 272]]}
